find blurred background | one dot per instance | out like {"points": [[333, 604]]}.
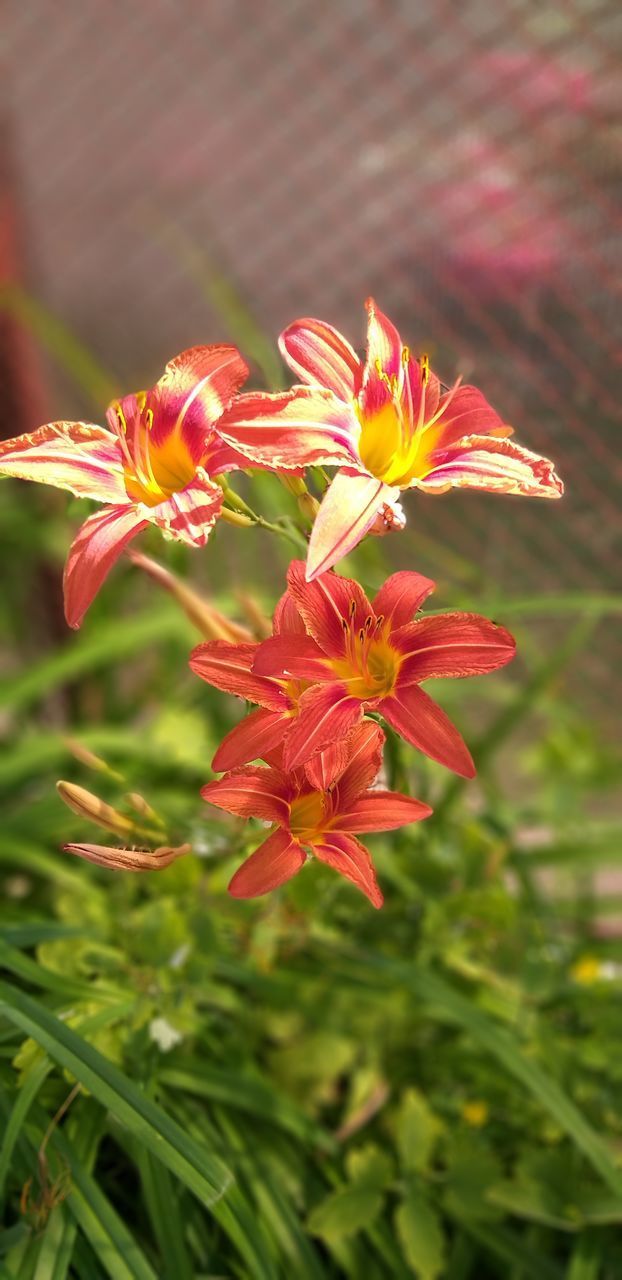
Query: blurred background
{"points": [[180, 173]]}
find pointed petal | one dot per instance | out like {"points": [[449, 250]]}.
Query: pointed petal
{"points": [[190, 515], [418, 719], [497, 465], [251, 793], [292, 656], [287, 620], [349, 508], [252, 739], [401, 596], [194, 390], [78, 456], [290, 429], [462, 411], [325, 604], [451, 644], [318, 354], [272, 864], [384, 345], [345, 854], [382, 811], [326, 713], [93, 552], [365, 744], [230, 667]]}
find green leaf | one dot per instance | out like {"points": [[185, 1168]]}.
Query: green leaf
{"points": [[416, 1131], [369, 1167], [421, 1235], [344, 1212], [203, 1173]]}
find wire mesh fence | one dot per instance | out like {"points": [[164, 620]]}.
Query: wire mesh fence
{"points": [[456, 161]]}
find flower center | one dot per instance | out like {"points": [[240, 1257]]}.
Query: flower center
{"points": [[307, 816], [397, 440], [153, 471], [370, 665]]}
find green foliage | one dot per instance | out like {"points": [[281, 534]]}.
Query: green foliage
{"points": [[194, 1087]]}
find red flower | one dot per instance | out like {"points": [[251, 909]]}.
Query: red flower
{"points": [[320, 808], [359, 657], [386, 423], [153, 464]]}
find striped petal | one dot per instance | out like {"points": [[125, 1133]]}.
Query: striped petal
{"points": [[345, 854], [494, 464], [348, 510], [318, 354], [325, 604], [451, 645], [382, 811], [190, 515], [251, 793], [291, 429], [275, 861], [401, 596], [93, 552], [252, 739], [418, 719], [384, 345], [194, 390], [326, 713], [230, 667], [365, 745], [78, 456]]}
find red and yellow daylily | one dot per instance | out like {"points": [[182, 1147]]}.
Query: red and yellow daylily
{"points": [[319, 809], [386, 423], [153, 464], [229, 666], [358, 656]]}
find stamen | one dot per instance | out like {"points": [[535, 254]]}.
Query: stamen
{"points": [[352, 608], [424, 365], [369, 622], [405, 355]]}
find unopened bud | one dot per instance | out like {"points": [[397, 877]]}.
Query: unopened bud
{"points": [[142, 807], [295, 484], [309, 506], [88, 758], [89, 806], [209, 621], [128, 859]]}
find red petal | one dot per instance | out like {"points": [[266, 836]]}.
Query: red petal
{"points": [[318, 354], [365, 744], [251, 793], [325, 714], [401, 596], [348, 510], [230, 667], [287, 620], [77, 456], [93, 552], [328, 765], [496, 465], [384, 345], [292, 656], [325, 603], [351, 859], [462, 412], [190, 515], [291, 428], [254, 738], [451, 644], [420, 721], [193, 392], [382, 811], [275, 861]]}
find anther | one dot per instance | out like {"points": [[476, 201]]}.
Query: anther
{"points": [[352, 608], [345, 625], [424, 365], [369, 622], [149, 419], [379, 621]]}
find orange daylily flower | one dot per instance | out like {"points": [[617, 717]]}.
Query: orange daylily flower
{"points": [[386, 423], [153, 464], [321, 808], [359, 656]]}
